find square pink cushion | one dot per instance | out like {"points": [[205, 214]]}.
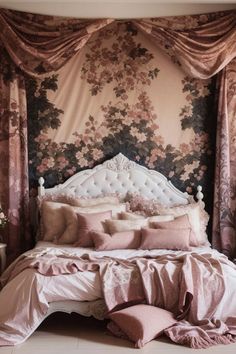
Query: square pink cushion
{"points": [[142, 323], [89, 222], [120, 240], [170, 239], [180, 222]]}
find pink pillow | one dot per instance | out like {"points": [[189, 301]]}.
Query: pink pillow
{"points": [[181, 222], [120, 240], [89, 222], [142, 323], [171, 239]]}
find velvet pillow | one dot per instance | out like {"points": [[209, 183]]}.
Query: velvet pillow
{"points": [[52, 223], [171, 239], [120, 240], [181, 222], [142, 323], [87, 223], [70, 233], [198, 219]]}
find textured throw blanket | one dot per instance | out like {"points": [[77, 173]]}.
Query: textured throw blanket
{"points": [[199, 289]]}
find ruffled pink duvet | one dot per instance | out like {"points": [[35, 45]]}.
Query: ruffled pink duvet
{"points": [[199, 288]]}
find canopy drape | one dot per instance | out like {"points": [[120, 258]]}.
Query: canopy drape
{"points": [[36, 44]]}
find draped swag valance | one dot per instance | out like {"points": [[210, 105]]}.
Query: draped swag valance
{"points": [[203, 45]]}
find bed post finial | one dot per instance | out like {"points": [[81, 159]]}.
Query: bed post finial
{"points": [[200, 195], [41, 189]]}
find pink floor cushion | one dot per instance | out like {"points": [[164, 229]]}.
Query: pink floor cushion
{"points": [[142, 323]]}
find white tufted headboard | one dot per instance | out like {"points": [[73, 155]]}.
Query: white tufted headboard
{"points": [[120, 175]]}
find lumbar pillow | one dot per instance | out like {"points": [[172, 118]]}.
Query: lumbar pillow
{"points": [[142, 323], [171, 239], [120, 240]]}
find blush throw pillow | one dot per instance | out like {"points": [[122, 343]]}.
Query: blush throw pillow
{"points": [[142, 323], [170, 239], [120, 240], [198, 219], [181, 222], [87, 223]]}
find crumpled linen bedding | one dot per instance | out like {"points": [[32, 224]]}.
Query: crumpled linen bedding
{"points": [[198, 287]]}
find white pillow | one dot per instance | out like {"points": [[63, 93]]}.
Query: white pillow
{"points": [[114, 226]]}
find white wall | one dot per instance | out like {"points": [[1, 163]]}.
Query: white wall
{"points": [[118, 8]]}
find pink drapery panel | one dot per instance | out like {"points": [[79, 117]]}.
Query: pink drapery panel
{"points": [[202, 48], [224, 226], [14, 161], [41, 44], [34, 45]]}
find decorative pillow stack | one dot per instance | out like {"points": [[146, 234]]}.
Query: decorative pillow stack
{"points": [[60, 221], [197, 215], [105, 224]]}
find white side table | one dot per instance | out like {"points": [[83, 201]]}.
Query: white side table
{"points": [[2, 257]]}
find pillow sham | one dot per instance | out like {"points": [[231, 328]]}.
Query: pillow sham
{"points": [[198, 219], [120, 240], [181, 222], [170, 239], [52, 222], [70, 234], [142, 323], [87, 223], [114, 226]]}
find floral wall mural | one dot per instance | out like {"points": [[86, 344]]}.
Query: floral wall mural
{"points": [[121, 94]]}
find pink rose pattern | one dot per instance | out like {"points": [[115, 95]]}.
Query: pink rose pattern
{"points": [[116, 57]]}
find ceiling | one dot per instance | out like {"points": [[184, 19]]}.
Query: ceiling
{"points": [[118, 8]]}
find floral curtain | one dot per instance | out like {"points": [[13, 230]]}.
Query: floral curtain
{"points": [[14, 157], [224, 230], [30, 45], [203, 45]]}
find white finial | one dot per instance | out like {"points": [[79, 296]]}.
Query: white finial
{"points": [[41, 190], [199, 194]]}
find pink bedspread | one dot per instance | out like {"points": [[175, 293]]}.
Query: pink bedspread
{"points": [[199, 289]]}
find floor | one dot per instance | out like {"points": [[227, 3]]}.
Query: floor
{"points": [[72, 334]]}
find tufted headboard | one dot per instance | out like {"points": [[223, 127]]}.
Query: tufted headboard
{"points": [[120, 175]]}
